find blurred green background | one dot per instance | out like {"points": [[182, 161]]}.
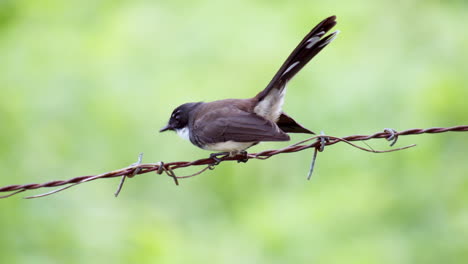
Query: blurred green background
{"points": [[85, 86]]}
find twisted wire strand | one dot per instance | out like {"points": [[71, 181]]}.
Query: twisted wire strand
{"points": [[168, 168]]}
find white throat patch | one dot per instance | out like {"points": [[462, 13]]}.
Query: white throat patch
{"points": [[184, 133]]}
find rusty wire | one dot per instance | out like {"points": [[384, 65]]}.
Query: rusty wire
{"points": [[138, 168]]}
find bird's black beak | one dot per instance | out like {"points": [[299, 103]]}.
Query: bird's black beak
{"points": [[166, 128]]}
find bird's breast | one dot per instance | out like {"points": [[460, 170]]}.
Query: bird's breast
{"points": [[228, 146]]}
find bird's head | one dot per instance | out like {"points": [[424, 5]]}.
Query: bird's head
{"points": [[180, 117]]}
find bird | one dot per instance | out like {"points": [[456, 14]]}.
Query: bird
{"points": [[231, 126]]}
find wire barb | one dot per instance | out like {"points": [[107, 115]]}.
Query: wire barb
{"points": [[393, 135], [323, 140], [160, 169], [312, 164], [171, 173], [141, 168], [135, 172]]}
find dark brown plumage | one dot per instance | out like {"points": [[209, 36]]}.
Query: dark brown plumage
{"points": [[235, 124]]}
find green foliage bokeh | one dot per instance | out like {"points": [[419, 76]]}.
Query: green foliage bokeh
{"points": [[86, 85]]}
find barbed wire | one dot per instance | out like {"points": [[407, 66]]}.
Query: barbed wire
{"points": [[210, 163]]}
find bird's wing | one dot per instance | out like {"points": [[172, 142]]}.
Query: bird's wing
{"points": [[236, 125]]}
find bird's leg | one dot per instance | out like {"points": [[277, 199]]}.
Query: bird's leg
{"points": [[217, 157]]}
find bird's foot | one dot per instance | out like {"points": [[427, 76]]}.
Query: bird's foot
{"points": [[217, 157], [244, 158]]}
